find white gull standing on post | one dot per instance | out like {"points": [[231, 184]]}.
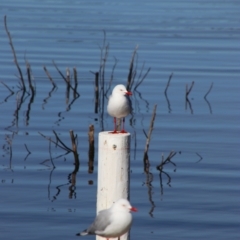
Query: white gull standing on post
{"points": [[119, 105], [112, 222]]}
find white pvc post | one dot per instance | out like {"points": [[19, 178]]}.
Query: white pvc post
{"points": [[113, 170]]}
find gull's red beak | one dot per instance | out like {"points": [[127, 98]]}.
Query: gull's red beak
{"points": [[128, 93], [133, 209]]}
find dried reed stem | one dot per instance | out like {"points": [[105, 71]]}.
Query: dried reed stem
{"points": [[209, 90], [168, 83], [49, 76], [150, 131], [96, 92], [131, 67], [91, 149], [14, 54]]}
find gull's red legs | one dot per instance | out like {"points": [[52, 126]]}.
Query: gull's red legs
{"points": [[123, 130]]}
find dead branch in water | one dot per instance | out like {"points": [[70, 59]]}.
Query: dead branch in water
{"points": [[200, 158], [59, 71], [50, 154], [188, 90], [187, 102], [103, 59], [49, 76], [131, 68], [27, 151], [148, 136], [209, 90], [59, 143], [74, 140], [96, 92], [111, 79], [140, 81], [100, 81], [166, 161], [75, 82], [68, 76], [28, 67], [168, 84], [149, 175], [165, 93], [146, 162], [14, 54], [67, 80], [205, 98], [91, 149], [161, 166], [9, 89]]}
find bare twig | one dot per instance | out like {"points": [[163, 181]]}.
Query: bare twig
{"points": [[75, 75], [160, 178], [167, 160], [49, 76], [209, 90], [27, 151], [145, 133], [144, 76], [14, 54], [74, 99], [75, 92], [165, 93], [96, 92], [103, 59], [64, 147], [187, 102], [11, 92], [9, 141], [131, 67], [205, 98], [190, 89], [111, 79], [29, 77], [150, 131], [200, 158], [160, 168], [59, 71], [50, 153], [68, 76], [91, 149], [59, 140], [74, 148], [49, 95], [9, 89], [168, 84]]}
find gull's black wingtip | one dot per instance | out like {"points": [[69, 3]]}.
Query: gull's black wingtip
{"points": [[85, 232]]}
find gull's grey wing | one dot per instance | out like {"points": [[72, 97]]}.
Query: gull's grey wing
{"points": [[100, 223]]}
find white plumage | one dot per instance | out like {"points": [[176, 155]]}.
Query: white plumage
{"points": [[119, 105]]}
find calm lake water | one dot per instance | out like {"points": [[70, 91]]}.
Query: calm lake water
{"points": [[196, 41]]}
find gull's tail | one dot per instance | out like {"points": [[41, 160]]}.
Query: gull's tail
{"points": [[82, 233]]}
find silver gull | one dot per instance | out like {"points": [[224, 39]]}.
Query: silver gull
{"points": [[112, 222], [119, 105]]}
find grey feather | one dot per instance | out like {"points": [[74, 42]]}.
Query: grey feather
{"points": [[100, 223]]}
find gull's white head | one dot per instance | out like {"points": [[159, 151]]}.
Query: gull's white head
{"points": [[120, 90], [123, 205]]}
